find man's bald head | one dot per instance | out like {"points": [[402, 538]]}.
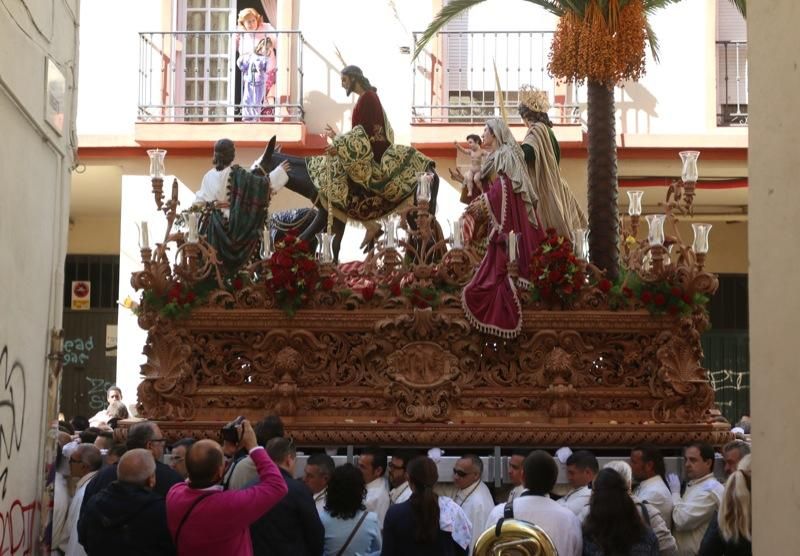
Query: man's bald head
{"points": [[205, 464], [137, 467]]}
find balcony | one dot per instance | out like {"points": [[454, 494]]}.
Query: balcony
{"points": [[732, 83], [454, 80], [193, 78]]}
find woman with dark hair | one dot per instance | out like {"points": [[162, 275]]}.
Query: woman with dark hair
{"points": [[426, 524], [349, 528], [614, 526]]}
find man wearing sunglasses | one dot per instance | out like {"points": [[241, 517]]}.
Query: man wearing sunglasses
{"points": [[473, 495], [146, 435], [398, 479]]}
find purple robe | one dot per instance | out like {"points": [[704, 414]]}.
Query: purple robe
{"points": [[254, 84], [490, 300]]}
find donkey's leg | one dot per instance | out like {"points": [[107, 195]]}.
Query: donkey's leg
{"points": [[317, 225], [338, 234]]}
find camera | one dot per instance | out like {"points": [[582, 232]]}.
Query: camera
{"points": [[231, 431]]}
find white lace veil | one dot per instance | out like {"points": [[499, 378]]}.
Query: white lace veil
{"points": [[509, 159]]}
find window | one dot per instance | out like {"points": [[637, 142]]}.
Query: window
{"points": [[732, 98]]}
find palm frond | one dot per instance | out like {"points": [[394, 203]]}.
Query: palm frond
{"points": [[741, 5], [456, 7], [447, 13]]}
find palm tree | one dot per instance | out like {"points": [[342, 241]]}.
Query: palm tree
{"points": [[601, 42]]}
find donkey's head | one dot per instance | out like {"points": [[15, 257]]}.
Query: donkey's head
{"points": [[267, 162]]}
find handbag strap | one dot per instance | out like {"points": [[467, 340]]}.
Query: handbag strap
{"points": [[352, 534], [186, 515]]}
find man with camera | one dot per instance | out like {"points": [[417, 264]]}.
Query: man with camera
{"points": [[204, 519]]}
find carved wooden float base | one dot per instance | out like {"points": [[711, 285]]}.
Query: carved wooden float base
{"points": [[476, 435], [423, 377]]}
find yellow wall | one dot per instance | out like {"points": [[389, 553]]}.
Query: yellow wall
{"points": [[94, 235]]}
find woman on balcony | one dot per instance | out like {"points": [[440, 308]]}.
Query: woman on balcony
{"points": [[557, 207], [490, 300], [256, 32]]}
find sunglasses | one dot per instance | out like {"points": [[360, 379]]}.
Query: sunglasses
{"points": [[75, 461], [460, 473], [158, 440], [393, 467]]}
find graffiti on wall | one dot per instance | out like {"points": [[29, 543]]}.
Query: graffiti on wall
{"points": [[78, 350], [97, 392], [17, 528], [12, 413]]}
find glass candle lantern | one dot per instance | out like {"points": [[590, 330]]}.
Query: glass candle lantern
{"points": [[580, 241], [192, 222], [655, 222], [689, 172], [635, 203], [701, 231], [326, 256], [156, 162], [424, 186]]}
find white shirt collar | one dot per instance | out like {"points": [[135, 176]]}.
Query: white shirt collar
{"points": [[700, 480], [376, 483]]}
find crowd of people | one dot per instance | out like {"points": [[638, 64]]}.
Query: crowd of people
{"points": [[242, 497]]}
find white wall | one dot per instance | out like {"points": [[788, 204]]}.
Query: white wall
{"points": [[137, 206], [35, 161]]}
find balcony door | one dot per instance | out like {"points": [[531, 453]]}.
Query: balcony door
{"points": [[205, 59]]}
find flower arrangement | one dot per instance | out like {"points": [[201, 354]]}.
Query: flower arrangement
{"points": [[294, 273], [178, 301], [665, 297], [556, 274]]}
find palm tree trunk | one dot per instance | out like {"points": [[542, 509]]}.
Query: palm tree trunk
{"points": [[602, 173]]}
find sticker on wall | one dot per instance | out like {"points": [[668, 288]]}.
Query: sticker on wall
{"points": [[55, 97], [111, 340], [81, 293]]}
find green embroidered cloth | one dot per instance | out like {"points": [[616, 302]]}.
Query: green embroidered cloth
{"points": [[360, 188], [237, 237]]}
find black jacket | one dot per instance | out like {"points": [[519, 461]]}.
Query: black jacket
{"points": [[125, 519], [292, 528], [714, 545], [398, 536], [165, 478]]}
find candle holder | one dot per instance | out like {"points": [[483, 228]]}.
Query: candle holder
{"points": [[635, 210], [266, 243], [192, 221], [457, 234], [580, 243], [424, 181], [326, 254], [700, 244], [655, 234], [512, 247], [689, 176], [157, 174]]}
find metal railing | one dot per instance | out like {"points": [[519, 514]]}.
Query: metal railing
{"points": [[455, 82], [194, 77], [732, 83]]}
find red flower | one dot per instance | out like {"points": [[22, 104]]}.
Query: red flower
{"points": [[302, 245], [327, 284], [553, 241], [190, 297], [395, 289], [555, 276], [237, 283], [675, 291], [659, 299], [687, 299], [604, 285], [646, 297], [368, 292], [567, 290], [672, 310], [307, 264], [627, 292], [550, 231], [284, 260], [174, 293]]}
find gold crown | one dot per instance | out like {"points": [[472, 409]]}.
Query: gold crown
{"points": [[534, 99]]}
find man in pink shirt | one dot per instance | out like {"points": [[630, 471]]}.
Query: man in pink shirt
{"points": [[204, 519]]}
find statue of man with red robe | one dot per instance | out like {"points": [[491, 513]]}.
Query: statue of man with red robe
{"points": [[368, 111]]}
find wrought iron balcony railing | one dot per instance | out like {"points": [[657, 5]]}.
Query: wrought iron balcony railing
{"points": [[194, 77], [732, 83], [455, 83]]}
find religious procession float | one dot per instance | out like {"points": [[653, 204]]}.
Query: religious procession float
{"points": [[496, 332]]}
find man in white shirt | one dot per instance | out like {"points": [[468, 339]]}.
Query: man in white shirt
{"points": [[693, 511], [534, 505], [372, 463], [581, 468], [317, 475], [214, 187], [113, 394], [515, 474], [84, 462], [472, 495], [647, 466], [398, 479]]}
